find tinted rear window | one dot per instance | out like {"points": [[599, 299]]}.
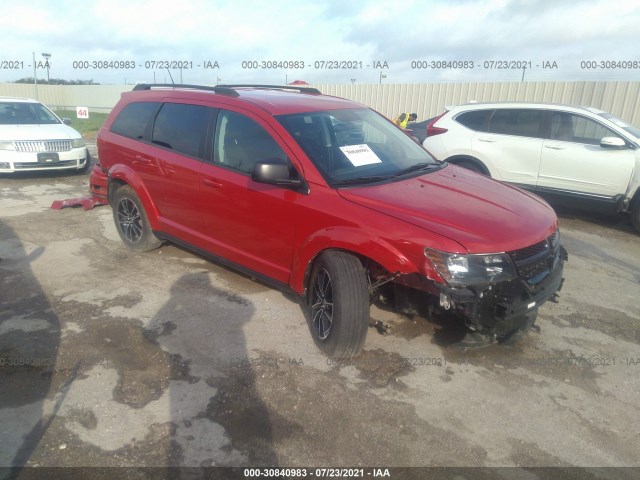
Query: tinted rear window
{"points": [[475, 120], [182, 127], [134, 118], [522, 122]]}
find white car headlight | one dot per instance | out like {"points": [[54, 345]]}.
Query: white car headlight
{"points": [[462, 270], [77, 142], [6, 145]]}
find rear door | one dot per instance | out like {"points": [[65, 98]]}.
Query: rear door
{"points": [[513, 144], [574, 162], [174, 160]]}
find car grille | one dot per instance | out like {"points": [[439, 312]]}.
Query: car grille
{"points": [[535, 262], [27, 165], [43, 146]]}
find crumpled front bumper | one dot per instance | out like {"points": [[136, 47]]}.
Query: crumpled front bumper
{"points": [[498, 310]]}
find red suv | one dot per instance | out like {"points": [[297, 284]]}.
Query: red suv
{"points": [[328, 198]]}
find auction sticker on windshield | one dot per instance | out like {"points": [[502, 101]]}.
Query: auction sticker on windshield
{"points": [[360, 155]]}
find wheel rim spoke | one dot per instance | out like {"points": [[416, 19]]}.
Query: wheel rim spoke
{"points": [[130, 220], [322, 304]]}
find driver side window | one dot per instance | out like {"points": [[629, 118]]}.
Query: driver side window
{"points": [[569, 127], [240, 143]]}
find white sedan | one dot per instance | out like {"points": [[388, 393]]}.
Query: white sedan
{"points": [[32, 137]]}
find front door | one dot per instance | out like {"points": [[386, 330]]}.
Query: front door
{"points": [[574, 162], [246, 222]]}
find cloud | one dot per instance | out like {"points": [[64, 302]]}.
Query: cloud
{"points": [[231, 32]]}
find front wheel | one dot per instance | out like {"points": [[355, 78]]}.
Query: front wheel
{"points": [[338, 304], [131, 221]]}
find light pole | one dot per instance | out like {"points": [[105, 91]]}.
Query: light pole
{"points": [[382, 75], [46, 57]]}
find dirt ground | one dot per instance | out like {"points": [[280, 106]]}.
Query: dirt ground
{"points": [[112, 358]]}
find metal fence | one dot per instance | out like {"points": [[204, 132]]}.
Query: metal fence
{"points": [[427, 100]]}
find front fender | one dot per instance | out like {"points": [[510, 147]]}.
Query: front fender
{"points": [[127, 175], [349, 239]]}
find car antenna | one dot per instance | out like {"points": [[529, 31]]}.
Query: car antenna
{"points": [[171, 76]]}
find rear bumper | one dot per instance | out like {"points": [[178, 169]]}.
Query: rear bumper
{"points": [[98, 183]]}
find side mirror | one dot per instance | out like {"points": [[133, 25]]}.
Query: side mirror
{"points": [[66, 121], [612, 142], [275, 172]]}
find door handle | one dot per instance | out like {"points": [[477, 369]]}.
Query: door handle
{"points": [[143, 160], [485, 139], [166, 167], [211, 182], [555, 147]]}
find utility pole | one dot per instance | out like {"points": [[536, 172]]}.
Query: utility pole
{"points": [[35, 76], [46, 57]]}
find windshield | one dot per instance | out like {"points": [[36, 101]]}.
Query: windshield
{"points": [[356, 146], [622, 124], [24, 113]]}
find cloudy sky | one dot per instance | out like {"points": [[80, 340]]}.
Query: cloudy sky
{"points": [[335, 41]]}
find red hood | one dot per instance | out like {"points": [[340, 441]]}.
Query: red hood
{"points": [[483, 215]]}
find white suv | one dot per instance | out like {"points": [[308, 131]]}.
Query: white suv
{"points": [[32, 137], [557, 151]]}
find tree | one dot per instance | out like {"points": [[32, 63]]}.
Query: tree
{"points": [[57, 81]]}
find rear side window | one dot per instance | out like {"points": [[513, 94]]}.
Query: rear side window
{"points": [[475, 120], [134, 118], [522, 122], [182, 127]]}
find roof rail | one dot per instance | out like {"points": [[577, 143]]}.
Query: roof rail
{"points": [[284, 87], [221, 89]]}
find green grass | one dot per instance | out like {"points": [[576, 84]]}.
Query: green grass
{"points": [[88, 127]]}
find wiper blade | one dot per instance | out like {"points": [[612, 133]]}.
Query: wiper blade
{"points": [[415, 168], [357, 180]]}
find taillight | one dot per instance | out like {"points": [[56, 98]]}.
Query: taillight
{"points": [[431, 130]]}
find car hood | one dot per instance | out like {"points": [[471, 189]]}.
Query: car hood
{"points": [[481, 214], [56, 131]]}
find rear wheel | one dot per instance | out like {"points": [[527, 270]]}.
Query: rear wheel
{"points": [[131, 221], [338, 304]]}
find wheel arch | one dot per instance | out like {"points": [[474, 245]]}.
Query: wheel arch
{"points": [[351, 241], [461, 159], [121, 175]]}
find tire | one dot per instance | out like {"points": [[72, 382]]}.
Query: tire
{"points": [[87, 163], [131, 221], [338, 304], [635, 215], [471, 165]]}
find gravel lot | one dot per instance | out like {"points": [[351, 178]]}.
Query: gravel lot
{"points": [[112, 358]]}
